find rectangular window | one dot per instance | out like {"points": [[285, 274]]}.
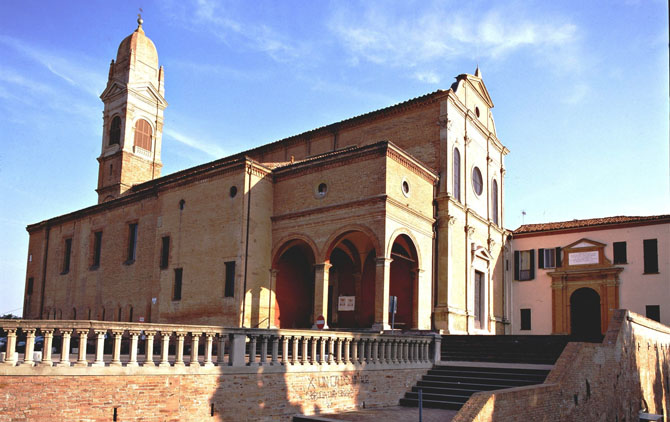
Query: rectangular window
{"points": [[524, 265], [620, 253], [549, 258], [97, 249], [132, 243], [165, 251], [525, 319], [29, 287], [650, 256], [654, 312], [230, 279], [176, 292], [67, 252]]}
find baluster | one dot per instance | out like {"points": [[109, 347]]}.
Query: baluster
{"points": [[410, 350], [405, 351], [134, 342], [275, 351], [375, 350], [313, 341], [10, 357], [30, 347], [338, 353], [284, 350], [368, 350], [179, 356], [354, 351], [361, 350], [64, 348], [195, 343], [99, 347], [149, 348], [387, 354], [221, 351], [347, 350], [394, 352], [426, 351], [382, 350], [165, 349], [252, 350], [83, 337], [417, 358], [48, 334], [209, 343], [322, 349], [294, 345], [304, 340], [331, 350], [116, 352], [264, 350]]}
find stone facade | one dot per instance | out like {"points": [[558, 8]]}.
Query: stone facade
{"points": [[405, 201]]}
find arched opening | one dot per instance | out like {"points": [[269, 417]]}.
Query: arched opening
{"points": [[143, 133], [403, 283], [294, 286], [585, 314], [115, 131]]}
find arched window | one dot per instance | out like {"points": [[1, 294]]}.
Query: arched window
{"points": [[457, 175], [115, 131], [494, 201], [143, 134]]}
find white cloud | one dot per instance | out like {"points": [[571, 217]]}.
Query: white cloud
{"points": [[209, 148], [436, 34], [429, 77]]}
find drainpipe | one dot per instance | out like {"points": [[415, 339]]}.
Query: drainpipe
{"points": [[44, 270], [246, 249]]}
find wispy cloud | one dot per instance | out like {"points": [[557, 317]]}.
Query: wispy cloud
{"points": [[436, 34], [211, 149], [70, 67]]}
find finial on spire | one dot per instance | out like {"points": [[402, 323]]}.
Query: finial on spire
{"points": [[478, 73], [139, 21]]}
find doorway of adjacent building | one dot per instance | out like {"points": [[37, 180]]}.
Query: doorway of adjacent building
{"points": [[295, 287], [585, 314], [403, 283]]}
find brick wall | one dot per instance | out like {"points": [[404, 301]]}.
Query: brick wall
{"points": [[592, 382], [188, 397]]}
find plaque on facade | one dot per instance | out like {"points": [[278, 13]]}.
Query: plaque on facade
{"points": [[583, 258], [346, 303]]}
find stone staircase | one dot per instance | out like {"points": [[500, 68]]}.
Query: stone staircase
{"points": [[483, 363]]}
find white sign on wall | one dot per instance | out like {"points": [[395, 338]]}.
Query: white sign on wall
{"points": [[346, 303], [583, 258]]}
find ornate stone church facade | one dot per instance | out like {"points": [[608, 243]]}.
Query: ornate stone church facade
{"points": [[406, 201]]}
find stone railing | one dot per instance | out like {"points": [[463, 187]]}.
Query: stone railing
{"points": [[139, 346]]}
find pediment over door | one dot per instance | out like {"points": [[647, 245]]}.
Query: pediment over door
{"points": [[584, 254]]}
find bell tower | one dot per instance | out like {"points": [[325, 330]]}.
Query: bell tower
{"points": [[132, 117]]}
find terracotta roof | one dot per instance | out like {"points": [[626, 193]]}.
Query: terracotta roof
{"points": [[590, 222]]}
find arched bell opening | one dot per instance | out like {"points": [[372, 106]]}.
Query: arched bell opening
{"points": [[403, 281], [294, 290]]}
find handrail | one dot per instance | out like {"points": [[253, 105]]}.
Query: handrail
{"points": [[118, 344]]}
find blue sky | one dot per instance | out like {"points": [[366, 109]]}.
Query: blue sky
{"points": [[580, 92]]}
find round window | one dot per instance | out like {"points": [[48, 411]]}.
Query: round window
{"points": [[233, 191], [321, 190], [405, 187], [477, 182]]}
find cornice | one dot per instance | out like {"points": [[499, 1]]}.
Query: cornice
{"points": [[408, 210], [317, 210]]}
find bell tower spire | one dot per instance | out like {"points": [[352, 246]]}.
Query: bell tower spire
{"points": [[132, 118]]}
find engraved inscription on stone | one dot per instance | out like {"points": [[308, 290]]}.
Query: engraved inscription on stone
{"points": [[583, 258]]}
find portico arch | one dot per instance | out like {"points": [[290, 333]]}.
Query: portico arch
{"points": [[585, 314], [403, 280], [351, 255], [293, 266]]}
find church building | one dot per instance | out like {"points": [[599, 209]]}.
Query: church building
{"points": [[406, 201]]}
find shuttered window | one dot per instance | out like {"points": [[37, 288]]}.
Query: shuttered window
{"points": [[165, 252], [230, 279], [620, 253], [525, 319], [176, 291], [524, 265], [143, 134], [650, 256], [115, 131]]}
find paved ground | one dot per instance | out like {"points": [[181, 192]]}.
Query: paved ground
{"points": [[391, 414]]}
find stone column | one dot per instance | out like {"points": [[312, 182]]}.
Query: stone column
{"points": [[134, 341], [322, 350], [338, 355], [99, 348], [321, 272], [347, 351], [304, 341], [275, 351], [382, 286], [46, 351], [195, 343], [30, 347], [116, 352], [284, 351], [83, 336], [149, 348], [179, 349], [65, 348], [237, 349], [252, 350], [209, 341], [165, 349], [294, 344], [10, 357], [221, 351]]}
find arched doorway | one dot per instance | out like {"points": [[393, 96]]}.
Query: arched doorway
{"points": [[403, 274], [294, 286], [352, 279], [585, 314]]}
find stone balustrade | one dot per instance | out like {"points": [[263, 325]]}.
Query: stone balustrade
{"points": [[140, 346]]}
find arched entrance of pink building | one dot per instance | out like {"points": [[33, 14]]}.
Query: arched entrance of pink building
{"points": [[403, 281], [351, 281], [585, 314], [294, 283]]}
